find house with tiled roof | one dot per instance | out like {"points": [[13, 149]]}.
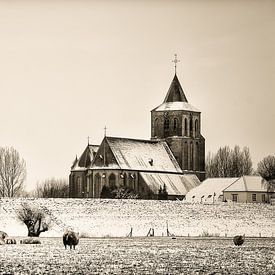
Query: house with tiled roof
{"points": [[249, 189], [173, 159]]}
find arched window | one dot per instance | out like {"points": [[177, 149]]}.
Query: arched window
{"points": [[112, 180], [79, 186], [176, 125], [125, 179], [191, 126], [156, 128], [191, 156], [185, 155], [196, 128], [97, 186], [185, 127], [197, 157], [166, 127], [88, 185], [132, 181]]}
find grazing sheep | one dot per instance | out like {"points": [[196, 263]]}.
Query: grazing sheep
{"points": [[239, 240], [3, 235], [30, 241], [2, 241], [70, 238], [10, 241]]}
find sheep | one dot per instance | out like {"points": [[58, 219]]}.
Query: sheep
{"points": [[70, 238], [239, 240], [10, 241], [30, 241], [3, 235]]}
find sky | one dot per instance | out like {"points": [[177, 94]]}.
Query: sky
{"points": [[70, 68]]}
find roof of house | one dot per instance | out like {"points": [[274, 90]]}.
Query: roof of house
{"points": [[248, 184], [175, 184], [208, 188], [175, 99], [142, 155]]}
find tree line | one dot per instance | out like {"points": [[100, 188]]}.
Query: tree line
{"points": [[226, 162], [236, 162]]}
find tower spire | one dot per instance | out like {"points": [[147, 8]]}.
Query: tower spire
{"points": [[176, 60]]}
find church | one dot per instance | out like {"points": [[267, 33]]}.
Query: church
{"points": [[173, 159]]}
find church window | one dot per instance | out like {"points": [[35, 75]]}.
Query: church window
{"points": [[185, 127], [185, 156], [156, 127], [88, 185], [132, 181], [196, 128], [97, 186], [166, 127], [197, 156], [175, 126], [79, 186], [191, 156], [191, 126], [125, 179], [112, 180]]}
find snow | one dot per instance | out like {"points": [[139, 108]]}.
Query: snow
{"points": [[136, 154], [207, 188], [176, 106], [175, 184], [248, 183], [102, 217]]}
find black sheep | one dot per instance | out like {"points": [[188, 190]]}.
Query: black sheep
{"points": [[238, 240], [70, 238]]}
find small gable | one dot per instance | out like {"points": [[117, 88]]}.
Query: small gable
{"points": [[87, 156]]}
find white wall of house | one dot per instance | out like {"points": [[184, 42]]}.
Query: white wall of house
{"points": [[259, 197]]}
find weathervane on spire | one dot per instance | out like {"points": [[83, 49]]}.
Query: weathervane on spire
{"points": [[176, 60], [105, 131]]}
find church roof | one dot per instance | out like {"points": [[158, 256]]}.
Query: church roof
{"points": [[86, 158], [175, 99], [175, 92], [175, 184], [176, 106], [142, 155]]}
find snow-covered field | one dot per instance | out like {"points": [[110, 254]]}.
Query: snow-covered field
{"points": [[161, 255], [114, 218]]}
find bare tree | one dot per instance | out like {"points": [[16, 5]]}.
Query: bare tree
{"points": [[52, 188], [229, 162], [34, 218], [247, 162], [266, 168], [12, 172]]}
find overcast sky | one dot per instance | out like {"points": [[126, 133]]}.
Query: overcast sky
{"points": [[68, 68]]}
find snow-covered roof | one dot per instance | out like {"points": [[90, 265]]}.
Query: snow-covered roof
{"points": [[248, 184], [85, 159], [175, 99], [175, 184], [143, 155], [176, 106], [208, 188]]}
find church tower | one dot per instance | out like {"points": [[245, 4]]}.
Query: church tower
{"points": [[179, 123]]}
